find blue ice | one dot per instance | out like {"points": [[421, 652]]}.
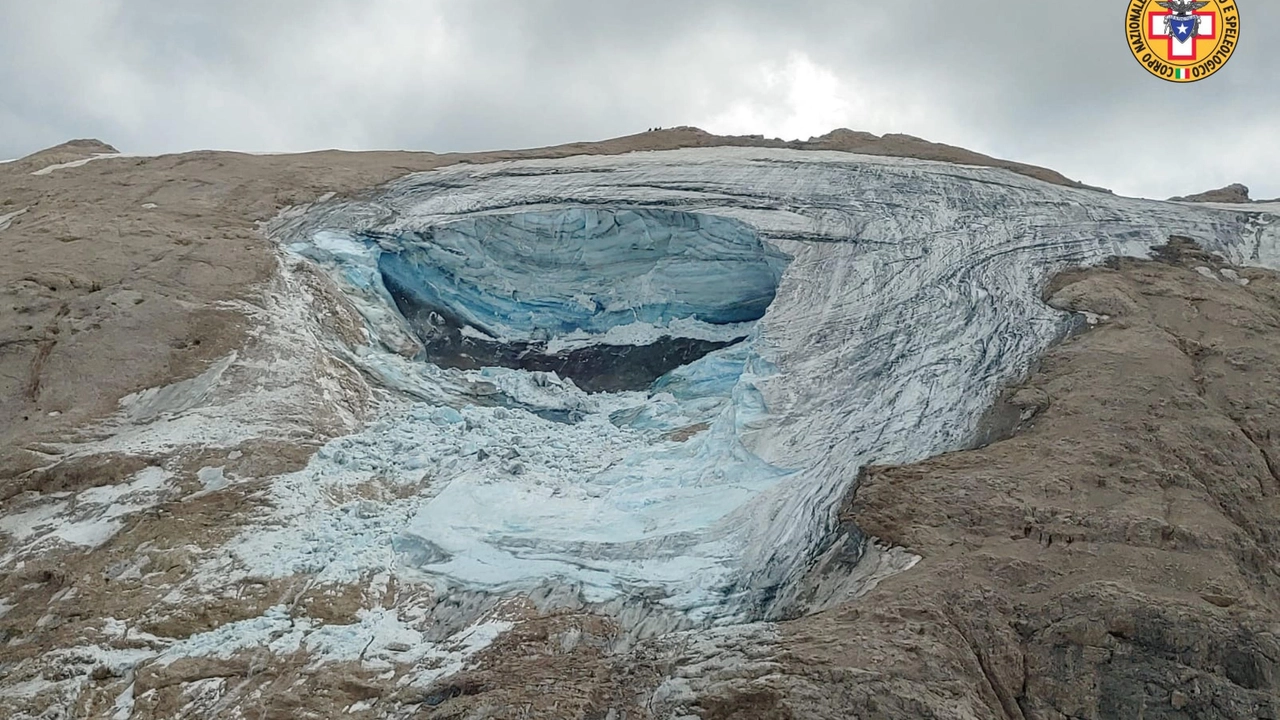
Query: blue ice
{"points": [[537, 276]]}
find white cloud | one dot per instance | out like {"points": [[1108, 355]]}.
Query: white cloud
{"points": [[159, 76], [792, 100]]}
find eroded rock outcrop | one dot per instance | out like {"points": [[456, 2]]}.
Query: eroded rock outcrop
{"points": [[1116, 557], [1234, 193]]}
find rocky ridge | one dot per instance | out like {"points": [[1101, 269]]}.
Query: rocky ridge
{"points": [[1233, 193]]}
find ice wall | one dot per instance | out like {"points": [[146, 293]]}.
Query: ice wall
{"points": [[621, 296], [551, 274], [910, 298]]}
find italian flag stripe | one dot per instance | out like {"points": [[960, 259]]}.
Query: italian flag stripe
{"points": [[1180, 73]]}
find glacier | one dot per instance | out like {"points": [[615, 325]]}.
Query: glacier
{"points": [[781, 319]]}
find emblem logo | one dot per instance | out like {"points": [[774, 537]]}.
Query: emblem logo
{"points": [[1182, 40]]}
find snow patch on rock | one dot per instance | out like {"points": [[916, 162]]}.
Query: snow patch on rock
{"points": [[381, 639], [77, 163], [85, 520], [7, 219]]}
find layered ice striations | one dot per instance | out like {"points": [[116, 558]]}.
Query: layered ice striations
{"points": [[761, 324], [551, 274], [612, 298]]}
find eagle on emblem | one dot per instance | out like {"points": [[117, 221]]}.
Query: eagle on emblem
{"points": [[1182, 8], [1183, 23]]}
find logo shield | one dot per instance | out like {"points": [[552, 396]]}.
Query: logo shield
{"points": [[1183, 28]]}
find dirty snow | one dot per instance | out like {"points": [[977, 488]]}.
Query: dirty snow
{"points": [[86, 520], [77, 163], [382, 639], [7, 219]]}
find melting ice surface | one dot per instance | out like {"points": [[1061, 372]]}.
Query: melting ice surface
{"points": [[798, 314], [557, 273], [612, 298]]}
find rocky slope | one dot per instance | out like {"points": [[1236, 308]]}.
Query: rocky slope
{"points": [[1234, 193], [232, 488], [1116, 556]]}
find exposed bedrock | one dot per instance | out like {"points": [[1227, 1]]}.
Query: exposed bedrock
{"points": [[1118, 557]]}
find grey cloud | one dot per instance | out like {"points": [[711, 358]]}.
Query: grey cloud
{"points": [[1043, 82]]}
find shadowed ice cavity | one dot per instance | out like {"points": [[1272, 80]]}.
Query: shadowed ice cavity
{"points": [[911, 297], [612, 299]]}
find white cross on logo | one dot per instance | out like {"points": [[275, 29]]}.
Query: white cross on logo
{"points": [[1183, 49]]}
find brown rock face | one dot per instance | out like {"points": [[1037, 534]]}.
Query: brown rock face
{"points": [[1117, 558], [1234, 193]]}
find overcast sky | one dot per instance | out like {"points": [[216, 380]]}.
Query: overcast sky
{"points": [[1050, 83]]}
